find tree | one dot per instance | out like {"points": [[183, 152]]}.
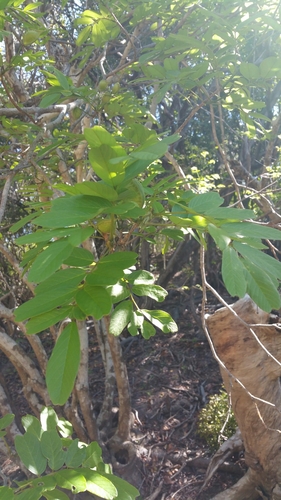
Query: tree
{"points": [[121, 125]]}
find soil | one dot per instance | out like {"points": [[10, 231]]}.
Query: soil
{"points": [[172, 377]]}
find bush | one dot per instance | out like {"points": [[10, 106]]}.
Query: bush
{"points": [[58, 461], [216, 421]]}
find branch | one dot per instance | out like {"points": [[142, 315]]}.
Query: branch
{"points": [[35, 110], [270, 147], [15, 264], [178, 169], [224, 157], [4, 197], [82, 383], [23, 363]]}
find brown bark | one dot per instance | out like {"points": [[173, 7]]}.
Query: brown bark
{"points": [[105, 416], [123, 431], [250, 351]]}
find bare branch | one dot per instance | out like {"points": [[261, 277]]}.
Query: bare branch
{"points": [[4, 197], [15, 264], [178, 169], [82, 383]]}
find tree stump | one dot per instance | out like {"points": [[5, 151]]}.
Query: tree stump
{"points": [[257, 405]]}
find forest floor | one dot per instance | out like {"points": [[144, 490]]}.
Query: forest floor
{"points": [[172, 377]]}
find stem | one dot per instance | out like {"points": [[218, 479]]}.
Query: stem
{"points": [[105, 415], [82, 383], [123, 431]]}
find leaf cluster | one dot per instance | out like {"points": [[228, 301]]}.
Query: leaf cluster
{"points": [[60, 462]]}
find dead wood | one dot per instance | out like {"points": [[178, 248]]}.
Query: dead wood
{"points": [[251, 377]]}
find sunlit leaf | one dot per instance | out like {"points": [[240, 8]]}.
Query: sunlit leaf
{"points": [[28, 448], [232, 273], [120, 317]]}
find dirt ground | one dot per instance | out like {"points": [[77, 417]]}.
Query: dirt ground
{"points": [[172, 377]]}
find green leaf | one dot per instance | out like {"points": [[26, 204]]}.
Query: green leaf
{"points": [[270, 67], [93, 455], [70, 210], [260, 288], [29, 450], [232, 273], [43, 235], [206, 201], [63, 365], [111, 173], [32, 425], [47, 482], [6, 493], [64, 427], [76, 235], [6, 420], [249, 71], [62, 79], [99, 485], [61, 282], [51, 446], [147, 330], [125, 490], [49, 99], [30, 255], [76, 313], [110, 268], [174, 234], [139, 134], [79, 257], [99, 136], [161, 319], [31, 494], [250, 230], [94, 301], [120, 317], [136, 167], [152, 152], [136, 323], [18, 225], [43, 321], [43, 303], [75, 455], [49, 260], [83, 35], [118, 292], [261, 259], [49, 419], [71, 479], [230, 213], [96, 189], [155, 292], [221, 240], [55, 495], [140, 277], [80, 234], [4, 4]]}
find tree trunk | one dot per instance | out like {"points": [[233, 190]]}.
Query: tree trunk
{"points": [[249, 348]]}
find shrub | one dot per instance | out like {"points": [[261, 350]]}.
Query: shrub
{"points": [[216, 421]]}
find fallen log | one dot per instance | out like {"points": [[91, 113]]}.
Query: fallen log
{"points": [[249, 348]]}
